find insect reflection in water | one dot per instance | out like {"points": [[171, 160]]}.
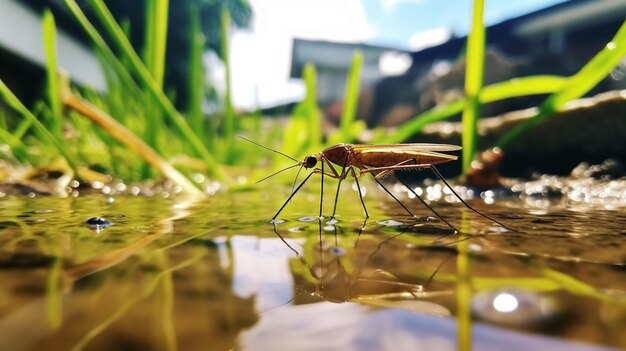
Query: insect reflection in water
{"points": [[379, 160], [376, 267]]}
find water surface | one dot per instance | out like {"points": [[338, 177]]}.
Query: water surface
{"points": [[216, 275]]}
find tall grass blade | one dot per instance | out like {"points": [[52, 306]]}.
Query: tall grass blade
{"points": [[196, 78], [154, 58], [473, 83], [229, 112], [311, 110], [156, 38], [577, 85], [351, 98], [303, 133], [55, 119]]}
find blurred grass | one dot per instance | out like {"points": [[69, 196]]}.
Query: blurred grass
{"points": [[474, 71], [532, 85], [196, 142], [55, 118], [45, 135], [229, 126], [577, 85], [349, 127]]}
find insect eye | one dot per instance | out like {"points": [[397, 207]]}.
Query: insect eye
{"points": [[310, 161]]}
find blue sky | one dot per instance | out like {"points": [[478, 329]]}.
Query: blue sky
{"points": [[395, 21], [261, 55]]}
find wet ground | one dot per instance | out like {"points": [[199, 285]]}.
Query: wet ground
{"points": [[216, 275]]}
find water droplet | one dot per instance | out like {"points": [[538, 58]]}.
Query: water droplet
{"points": [[110, 200], [296, 229], [390, 223], [332, 221], [307, 219], [330, 228]]}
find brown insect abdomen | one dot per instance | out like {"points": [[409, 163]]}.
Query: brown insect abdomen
{"points": [[392, 158]]}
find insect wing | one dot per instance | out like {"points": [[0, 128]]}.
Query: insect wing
{"points": [[415, 147]]}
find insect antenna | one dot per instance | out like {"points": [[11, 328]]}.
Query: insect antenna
{"points": [[267, 148], [293, 186], [277, 172]]}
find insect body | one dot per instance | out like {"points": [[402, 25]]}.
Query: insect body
{"points": [[380, 160]]}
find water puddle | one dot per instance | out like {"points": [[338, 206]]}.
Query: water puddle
{"points": [[154, 273]]}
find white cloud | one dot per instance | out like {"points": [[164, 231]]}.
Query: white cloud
{"points": [[429, 38], [261, 57], [390, 5]]}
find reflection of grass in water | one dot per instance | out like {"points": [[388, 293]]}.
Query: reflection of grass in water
{"points": [[162, 277], [464, 290]]}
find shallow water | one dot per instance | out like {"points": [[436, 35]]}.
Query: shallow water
{"points": [[216, 275]]}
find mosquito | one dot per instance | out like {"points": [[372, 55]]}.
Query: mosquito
{"points": [[380, 160]]}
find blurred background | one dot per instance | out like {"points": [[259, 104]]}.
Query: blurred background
{"points": [[411, 61]]}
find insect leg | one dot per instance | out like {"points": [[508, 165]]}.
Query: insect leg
{"points": [[360, 194], [341, 178], [405, 165], [322, 190], [427, 205], [392, 196], [292, 195], [436, 172]]}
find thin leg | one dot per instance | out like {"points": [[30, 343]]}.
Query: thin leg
{"points": [[322, 190], [436, 172], [427, 205], [360, 194], [337, 195], [341, 178], [395, 198], [292, 194], [285, 241]]}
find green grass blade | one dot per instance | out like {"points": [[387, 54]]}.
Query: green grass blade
{"points": [[3, 121], [311, 110], [229, 112], [156, 38], [577, 85], [55, 119], [7, 96], [473, 83], [303, 132], [351, 97], [196, 77], [17, 147], [154, 58], [516, 87], [531, 85]]}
